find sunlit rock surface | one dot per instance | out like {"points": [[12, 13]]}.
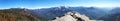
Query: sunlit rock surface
{"points": [[74, 16]]}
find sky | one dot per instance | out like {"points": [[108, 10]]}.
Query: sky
{"points": [[57, 3]]}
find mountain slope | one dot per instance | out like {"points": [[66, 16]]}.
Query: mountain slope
{"points": [[16, 14], [113, 15]]}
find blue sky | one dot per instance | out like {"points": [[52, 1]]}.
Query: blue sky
{"points": [[54, 3]]}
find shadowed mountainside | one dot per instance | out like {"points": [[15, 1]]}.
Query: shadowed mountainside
{"points": [[113, 15]]}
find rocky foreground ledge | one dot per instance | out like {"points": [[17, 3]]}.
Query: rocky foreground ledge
{"points": [[74, 16]]}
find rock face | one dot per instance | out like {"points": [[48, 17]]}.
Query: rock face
{"points": [[74, 16]]}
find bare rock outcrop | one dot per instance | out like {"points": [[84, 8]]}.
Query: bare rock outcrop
{"points": [[74, 16]]}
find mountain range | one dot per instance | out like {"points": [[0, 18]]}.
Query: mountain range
{"points": [[46, 14], [50, 13]]}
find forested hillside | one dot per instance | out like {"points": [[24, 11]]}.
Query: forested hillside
{"points": [[16, 15]]}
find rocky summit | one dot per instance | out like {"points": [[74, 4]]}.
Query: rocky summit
{"points": [[74, 16]]}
